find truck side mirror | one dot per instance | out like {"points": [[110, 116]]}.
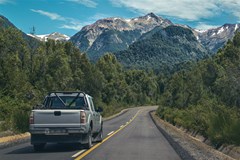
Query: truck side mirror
{"points": [[99, 109]]}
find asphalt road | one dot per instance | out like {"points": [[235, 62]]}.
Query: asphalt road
{"points": [[131, 135]]}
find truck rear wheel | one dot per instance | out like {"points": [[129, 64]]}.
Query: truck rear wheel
{"points": [[89, 139], [100, 136]]}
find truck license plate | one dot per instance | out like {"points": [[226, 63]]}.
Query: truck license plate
{"points": [[56, 132]]}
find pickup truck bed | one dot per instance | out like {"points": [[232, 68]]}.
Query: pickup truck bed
{"points": [[65, 117]]}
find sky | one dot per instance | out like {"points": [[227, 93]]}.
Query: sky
{"points": [[69, 16]]}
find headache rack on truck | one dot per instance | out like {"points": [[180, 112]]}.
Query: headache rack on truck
{"points": [[66, 117], [63, 100], [67, 93]]}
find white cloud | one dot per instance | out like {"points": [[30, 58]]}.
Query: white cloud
{"points": [[53, 16], [73, 27], [73, 24], [191, 10], [184, 9], [204, 26], [231, 6], [5, 1], [98, 16], [88, 3], [69, 23], [76, 25]]}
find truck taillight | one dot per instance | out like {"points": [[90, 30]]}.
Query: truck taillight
{"points": [[83, 117], [31, 119]]}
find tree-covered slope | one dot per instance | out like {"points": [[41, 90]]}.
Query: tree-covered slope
{"points": [[28, 74], [5, 23], [207, 98], [163, 49]]}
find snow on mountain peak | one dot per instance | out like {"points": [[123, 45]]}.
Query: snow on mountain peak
{"points": [[236, 27], [220, 30], [53, 36], [200, 30], [149, 17], [128, 20]]}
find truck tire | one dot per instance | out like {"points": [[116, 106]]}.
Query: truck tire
{"points": [[100, 135], [38, 147], [89, 139]]}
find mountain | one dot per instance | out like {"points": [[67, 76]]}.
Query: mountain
{"points": [[115, 34], [216, 38], [53, 36], [163, 49], [5, 23]]}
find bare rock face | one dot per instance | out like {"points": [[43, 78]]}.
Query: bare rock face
{"points": [[216, 38], [114, 34]]}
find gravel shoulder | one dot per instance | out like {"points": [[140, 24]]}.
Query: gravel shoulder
{"points": [[192, 145], [12, 140]]}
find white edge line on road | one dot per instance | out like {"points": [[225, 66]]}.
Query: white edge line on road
{"points": [[121, 126], [110, 133], [78, 153]]}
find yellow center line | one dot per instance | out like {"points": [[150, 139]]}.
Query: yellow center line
{"points": [[98, 144]]}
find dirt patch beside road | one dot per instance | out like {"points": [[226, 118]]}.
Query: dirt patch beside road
{"points": [[14, 139]]}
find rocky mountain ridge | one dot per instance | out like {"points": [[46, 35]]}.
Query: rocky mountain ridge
{"points": [[215, 38], [116, 34], [119, 33]]}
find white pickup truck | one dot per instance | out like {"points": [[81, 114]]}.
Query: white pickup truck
{"points": [[66, 117]]}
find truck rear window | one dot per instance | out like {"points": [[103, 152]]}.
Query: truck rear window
{"points": [[68, 102]]}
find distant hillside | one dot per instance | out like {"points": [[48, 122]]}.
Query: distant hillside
{"points": [[5, 23], [163, 49]]}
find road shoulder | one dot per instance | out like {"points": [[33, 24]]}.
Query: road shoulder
{"points": [[195, 148], [9, 141]]}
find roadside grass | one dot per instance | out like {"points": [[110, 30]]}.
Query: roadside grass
{"points": [[219, 124]]}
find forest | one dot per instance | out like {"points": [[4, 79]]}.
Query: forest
{"points": [[164, 50], [28, 71], [204, 96]]}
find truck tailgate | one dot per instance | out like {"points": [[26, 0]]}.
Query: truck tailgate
{"points": [[56, 118]]}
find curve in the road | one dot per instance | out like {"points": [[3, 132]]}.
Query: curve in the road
{"points": [[138, 138], [104, 140]]}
